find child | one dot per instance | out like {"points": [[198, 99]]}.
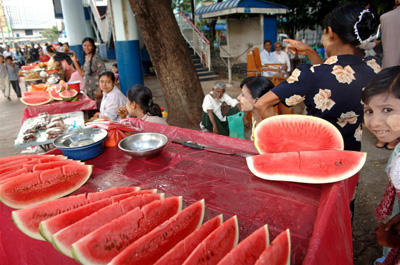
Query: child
{"points": [[112, 97], [13, 70], [140, 105], [381, 98], [4, 80], [115, 71]]}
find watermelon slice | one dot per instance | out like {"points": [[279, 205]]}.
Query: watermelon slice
{"points": [[28, 190], [249, 250], [68, 95], [149, 248], [103, 244], [216, 245], [278, 253], [307, 167], [178, 254], [54, 94], [290, 133], [35, 98], [28, 220], [14, 174], [54, 164], [63, 239]]}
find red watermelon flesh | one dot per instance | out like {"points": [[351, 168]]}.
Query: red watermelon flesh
{"points": [[54, 94], [35, 94], [149, 248], [63, 239], [30, 190], [216, 245], [290, 133], [7, 170], [106, 242], [307, 166], [278, 253], [54, 224], [68, 94], [36, 99], [54, 164], [12, 158], [178, 254], [28, 219], [12, 175], [249, 250], [13, 163]]}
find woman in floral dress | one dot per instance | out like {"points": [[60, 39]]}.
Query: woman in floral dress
{"points": [[91, 69], [332, 89]]}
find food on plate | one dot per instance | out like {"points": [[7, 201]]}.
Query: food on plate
{"points": [[32, 75], [28, 137], [55, 124], [54, 132]]}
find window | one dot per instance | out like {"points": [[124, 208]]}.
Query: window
{"points": [[17, 35], [28, 32]]}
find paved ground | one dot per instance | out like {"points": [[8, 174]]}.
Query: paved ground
{"points": [[371, 185]]}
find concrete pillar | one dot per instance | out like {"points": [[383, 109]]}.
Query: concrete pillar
{"points": [[127, 47], [75, 25]]}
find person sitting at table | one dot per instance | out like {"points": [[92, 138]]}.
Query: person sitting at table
{"points": [[53, 64], [42, 56], [140, 104], [267, 57], [217, 105], [76, 76], [112, 99], [253, 88]]}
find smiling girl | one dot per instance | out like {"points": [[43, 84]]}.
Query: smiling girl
{"points": [[381, 98]]}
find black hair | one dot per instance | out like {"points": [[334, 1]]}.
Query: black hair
{"points": [[66, 43], [93, 52], [258, 85], [51, 49], [142, 95], [9, 58], [386, 81], [108, 74], [116, 65], [267, 41], [343, 18]]}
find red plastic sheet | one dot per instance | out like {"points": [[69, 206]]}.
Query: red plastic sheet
{"points": [[56, 107], [317, 215]]}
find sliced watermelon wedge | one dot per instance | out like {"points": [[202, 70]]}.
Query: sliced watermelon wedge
{"points": [[216, 245], [68, 94], [178, 254], [100, 246], [278, 253], [63, 239], [149, 248], [54, 94], [307, 166], [14, 174], [27, 220], [249, 250]]}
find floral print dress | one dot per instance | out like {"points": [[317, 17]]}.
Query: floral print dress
{"points": [[332, 91], [92, 74]]}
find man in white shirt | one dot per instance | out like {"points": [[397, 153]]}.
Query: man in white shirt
{"points": [[213, 119], [281, 56], [267, 57], [8, 52]]}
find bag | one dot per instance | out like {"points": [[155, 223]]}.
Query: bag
{"points": [[236, 125], [225, 108]]}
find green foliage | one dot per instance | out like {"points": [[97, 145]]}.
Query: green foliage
{"points": [[51, 34]]}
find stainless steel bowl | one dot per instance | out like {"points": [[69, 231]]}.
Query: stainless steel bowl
{"points": [[143, 145]]}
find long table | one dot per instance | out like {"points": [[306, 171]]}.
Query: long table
{"points": [[318, 216], [56, 107]]}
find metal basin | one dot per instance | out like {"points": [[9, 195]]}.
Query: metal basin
{"points": [[143, 145]]}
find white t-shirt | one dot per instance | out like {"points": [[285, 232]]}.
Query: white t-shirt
{"points": [[214, 104], [268, 58], [283, 58], [6, 54], [111, 102]]}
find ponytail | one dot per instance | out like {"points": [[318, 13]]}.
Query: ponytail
{"points": [[142, 95]]}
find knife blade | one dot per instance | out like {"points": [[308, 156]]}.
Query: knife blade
{"points": [[210, 148]]}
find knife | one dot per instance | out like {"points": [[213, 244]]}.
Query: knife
{"points": [[209, 148]]}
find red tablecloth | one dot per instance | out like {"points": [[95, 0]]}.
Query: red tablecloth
{"points": [[317, 215], [56, 107]]}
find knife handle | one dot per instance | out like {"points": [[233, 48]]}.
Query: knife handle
{"points": [[193, 145]]}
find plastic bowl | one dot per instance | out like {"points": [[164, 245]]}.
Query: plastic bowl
{"points": [[82, 144], [75, 85], [144, 145]]}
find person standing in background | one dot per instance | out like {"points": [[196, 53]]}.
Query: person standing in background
{"points": [[8, 52], [13, 70], [68, 68], [4, 80], [390, 27]]}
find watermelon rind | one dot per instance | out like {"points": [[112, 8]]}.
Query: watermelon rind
{"points": [[68, 95], [272, 171], [272, 254], [54, 94], [294, 132], [21, 204], [28, 101]]}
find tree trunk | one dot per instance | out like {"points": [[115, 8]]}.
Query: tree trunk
{"points": [[172, 61]]}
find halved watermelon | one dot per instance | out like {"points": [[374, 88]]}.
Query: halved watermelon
{"points": [[216, 245], [149, 248], [290, 133], [278, 253], [249, 250], [178, 254], [34, 98], [314, 167], [63, 239], [68, 94], [103, 244], [28, 219], [54, 94]]}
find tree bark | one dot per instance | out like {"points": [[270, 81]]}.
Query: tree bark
{"points": [[172, 61]]}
